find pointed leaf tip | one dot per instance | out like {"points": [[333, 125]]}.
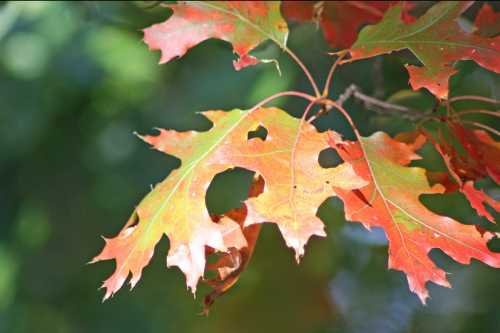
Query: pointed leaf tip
{"points": [[176, 207], [244, 24], [411, 229], [437, 40]]}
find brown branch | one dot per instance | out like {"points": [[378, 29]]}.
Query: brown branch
{"points": [[381, 107], [305, 70], [466, 112], [329, 77], [474, 98], [482, 126], [283, 94]]}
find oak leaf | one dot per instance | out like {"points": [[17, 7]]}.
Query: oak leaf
{"points": [[478, 199], [391, 201], [245, 24], [436, 39], [295, 186], [483, 153], [339, 20], [464, 170], [176, 206], [487, 21]]}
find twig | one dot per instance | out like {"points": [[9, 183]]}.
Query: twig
{"points": [[466, 112], [325, 107], [305, 70], [328, 81], [283, 94], [381, 106], [474, 98], [346, 94], [483, 126]]}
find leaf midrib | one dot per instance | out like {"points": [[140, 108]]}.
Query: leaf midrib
{"points": [[191, 166], [385, 199], [451, 44], [425, 27], [244, 19]]}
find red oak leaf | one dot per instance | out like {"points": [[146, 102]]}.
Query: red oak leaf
{"points": [[488, 21], [483, 151], [245, 24], [295, 186], [457, 167], [478, 199], [339, 20], [437, 40], [412, 230]]}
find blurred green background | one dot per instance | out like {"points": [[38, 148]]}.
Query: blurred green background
{"points": [[76, 81]]}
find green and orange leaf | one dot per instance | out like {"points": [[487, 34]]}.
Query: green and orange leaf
{"points": [[465, 169], [244, 24], [339, 20], [375, 182], [436, 39], [176, 207], [478, 199], [295, 186], [483, 152], [391, 202]]}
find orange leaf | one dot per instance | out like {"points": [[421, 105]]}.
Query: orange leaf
{"points": [[437, 40], [412, 230], [483, 151], [488, 21], [245, 24], [455, 166], [339, 20], [478, 198], [295, 186]]}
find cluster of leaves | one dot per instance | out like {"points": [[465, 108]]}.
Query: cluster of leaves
{"points": [[375, 181]]}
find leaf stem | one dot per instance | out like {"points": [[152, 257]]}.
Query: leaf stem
{"points": [[305, 70], [373, 103], [466, 112], [293, 157], [328, 81], [377, 105], [483, 126], [266, 100], [474, 98], [324, 108]]}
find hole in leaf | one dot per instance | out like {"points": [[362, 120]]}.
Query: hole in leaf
{"points": [[328, 158], [441, 203], [134, 220], [228, 190], [494, 244], [260, 133], [330, 210], [441, 259]]}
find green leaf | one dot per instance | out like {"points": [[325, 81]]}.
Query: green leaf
{"points": [[436, 39]]}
